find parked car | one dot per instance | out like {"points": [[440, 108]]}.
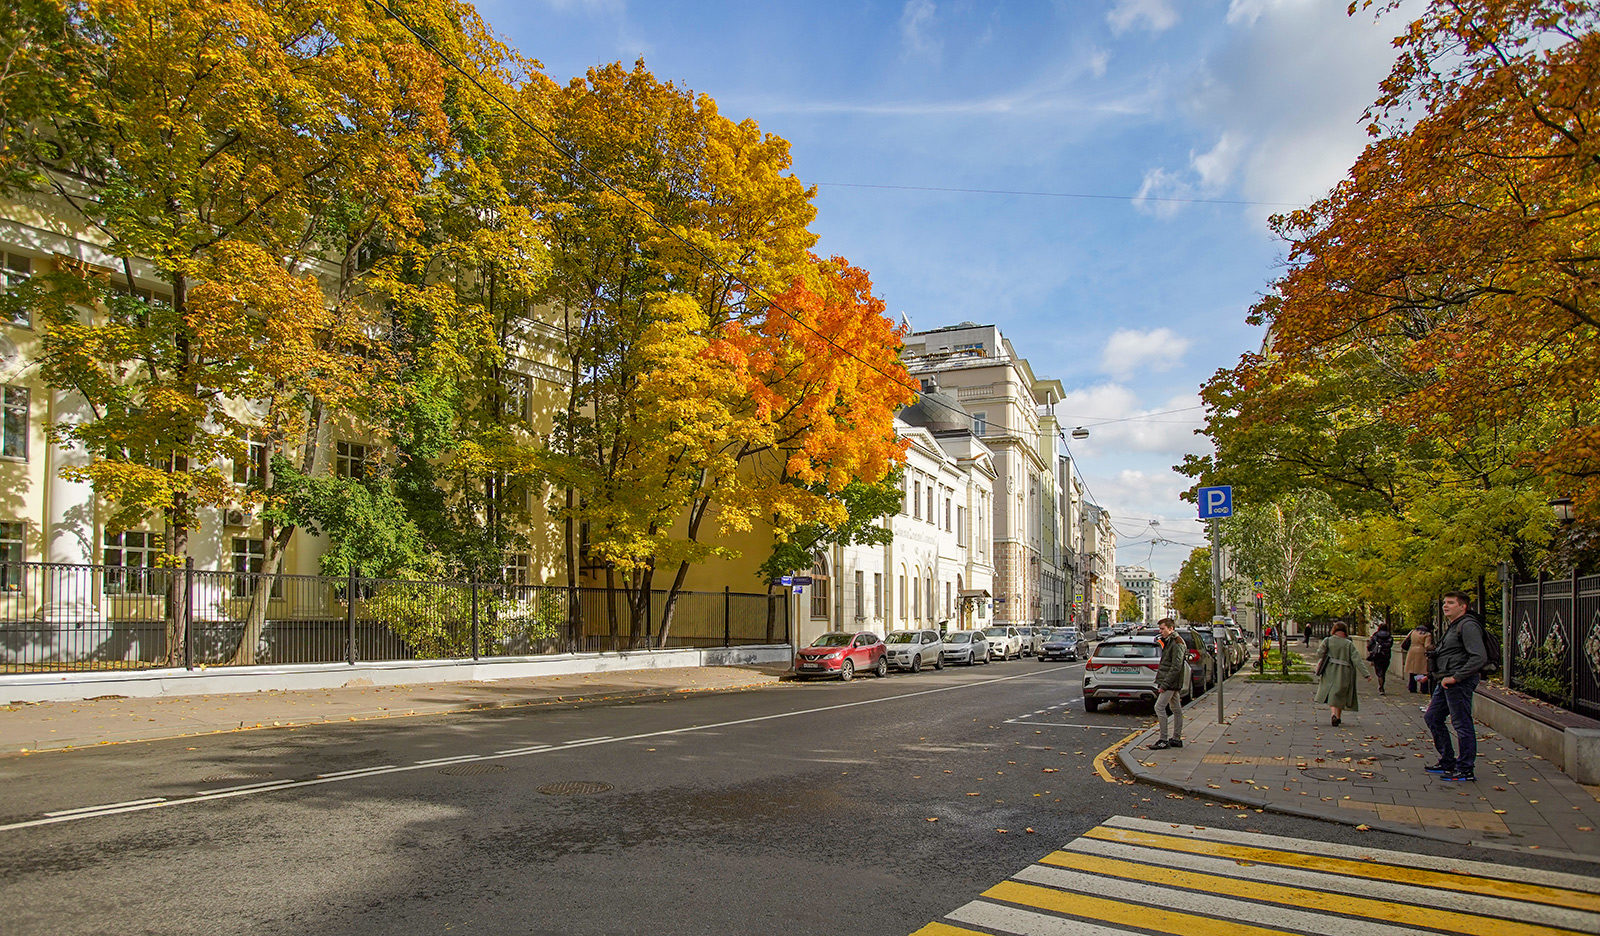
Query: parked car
{"points": [[1244, 643], [1028, 635], [1061, 643], [1123, 669], [842, 654], [1004, 641], [969, 647], [914, 649], [1104, 633]]}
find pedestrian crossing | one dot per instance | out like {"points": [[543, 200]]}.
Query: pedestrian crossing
{"points": [[1142, 876]]}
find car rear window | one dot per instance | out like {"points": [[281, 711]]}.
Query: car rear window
{"points": [[1128, 651]]}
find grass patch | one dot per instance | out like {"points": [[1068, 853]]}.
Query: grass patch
{"points": [[1278, 677]]}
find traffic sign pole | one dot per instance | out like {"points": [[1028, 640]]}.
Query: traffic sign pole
{"points": [[1215, 504]]}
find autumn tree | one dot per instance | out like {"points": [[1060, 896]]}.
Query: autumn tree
{"points": [[1130, 607], [1283, 545], [215, 146]]}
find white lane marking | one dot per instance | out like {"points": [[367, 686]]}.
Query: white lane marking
{"points": [[1274, 916], [604, 737], [436, 761], [525, 750], [339, 773], [1363, 853], [249, 786], [161, 803], [69, 813], [1507, 907], [1051, 724]]}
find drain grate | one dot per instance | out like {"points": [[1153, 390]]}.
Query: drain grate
{"points": [[471, 770], [238, 776], [575, 787]]}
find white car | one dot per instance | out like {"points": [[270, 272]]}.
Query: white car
{"points": [[1004, 641], [1123, 669], [914, 649], [1032, 637]]}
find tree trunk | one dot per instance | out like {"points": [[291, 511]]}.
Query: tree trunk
{"points": [[611, 607], [671, 604]]}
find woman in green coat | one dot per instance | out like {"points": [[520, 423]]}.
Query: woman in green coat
{"points": [[1338, 666]]}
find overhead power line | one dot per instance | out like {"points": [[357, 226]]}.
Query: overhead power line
{"points": [[1087, 195]]}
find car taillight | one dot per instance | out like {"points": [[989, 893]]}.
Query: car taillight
{"points": [[1194, 656], [1092, 666]]}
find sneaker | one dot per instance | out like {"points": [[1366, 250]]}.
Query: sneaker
{"points": [[1174, 743], [1440, 768], [1161, 745], [1463, 775]]}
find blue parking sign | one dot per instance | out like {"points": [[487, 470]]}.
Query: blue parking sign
{"points": [[1216, 502]]}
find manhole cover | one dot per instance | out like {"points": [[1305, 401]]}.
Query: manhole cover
{"points": [[471, 770], [1358, 776], [574, 787]]}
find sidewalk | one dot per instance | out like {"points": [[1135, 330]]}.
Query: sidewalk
{"points": [[52, 726], [1278, 752]]}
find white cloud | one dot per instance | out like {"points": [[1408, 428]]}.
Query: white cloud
{"points": [[1216, 166], [1129, 351], [1154, 15], [1097, 61], [916, 19]]}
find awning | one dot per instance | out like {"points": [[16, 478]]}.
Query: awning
{"points": [[973, 593]]}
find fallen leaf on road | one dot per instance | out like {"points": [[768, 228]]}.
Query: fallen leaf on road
{"points": [[974, 794], [1586, 828], [1029, 830], [1049, 770], [1363, 828], [1002, 831], [933, 818]]}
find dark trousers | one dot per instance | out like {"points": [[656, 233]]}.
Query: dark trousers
{"points": [[1455, 703]]}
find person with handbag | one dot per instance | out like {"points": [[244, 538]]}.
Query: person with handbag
{"points": [[1337, 666], [1416, 647], [1380, 650]]}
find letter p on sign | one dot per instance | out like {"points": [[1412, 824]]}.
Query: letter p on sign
{"points": [[1216, 502]]}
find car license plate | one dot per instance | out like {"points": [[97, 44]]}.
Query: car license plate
{"points": [[1124, 670], [811, 666]]}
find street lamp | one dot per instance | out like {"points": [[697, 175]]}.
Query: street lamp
{"points": [[1080, 433], [1564, 511]]}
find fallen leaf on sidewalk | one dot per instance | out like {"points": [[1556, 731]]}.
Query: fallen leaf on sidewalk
{"points": [[1499, 812], [1213, 786], [1363, 828], [1586, 828]]}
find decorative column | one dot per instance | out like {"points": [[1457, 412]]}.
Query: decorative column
{"points": [[69, 521]]}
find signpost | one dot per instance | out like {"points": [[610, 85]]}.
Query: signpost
{"points": [[1216, 503]]}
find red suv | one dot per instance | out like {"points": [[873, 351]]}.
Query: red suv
{"points": [[840, 654]]}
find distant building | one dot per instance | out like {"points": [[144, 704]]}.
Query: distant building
{"points": [[1143, 583]]}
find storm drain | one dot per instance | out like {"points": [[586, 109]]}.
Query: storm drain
{"points": [[574, 787], [237, 776], [471, 770]]}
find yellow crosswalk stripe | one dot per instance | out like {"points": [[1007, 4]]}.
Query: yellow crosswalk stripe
{"points": [[944, 929], [1467, 924], [1116, 911], [1535, 893]]}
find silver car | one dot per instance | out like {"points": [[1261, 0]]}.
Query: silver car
{"points": [[1004, 641], [914, 649], [969, 647], [1123, 669]]}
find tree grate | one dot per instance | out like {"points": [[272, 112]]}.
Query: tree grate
{"points": [[471, 770], [575, 788]]}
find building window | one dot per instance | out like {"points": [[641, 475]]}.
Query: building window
{"points": [[947, 525], [931, 609], [916, 499], [14, 271], [931, 518], [13, 552], [916, 598], [947, 607], [819, 589], [962, 533], [902, 596], [877, 595], [133, 560], [861, 595], [980, 424], [354, 461], [516, 569], [249, 558], [519, 399], [14, 423], [252, 468]]}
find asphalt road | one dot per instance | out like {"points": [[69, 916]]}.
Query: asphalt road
{"points": [[802, 808]]}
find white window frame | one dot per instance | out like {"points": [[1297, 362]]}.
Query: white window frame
{"points": [[353, 460], [122, 577], [16, 269], [13, 552]]}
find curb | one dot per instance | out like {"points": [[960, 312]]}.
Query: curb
{"points": [[57, 745]]}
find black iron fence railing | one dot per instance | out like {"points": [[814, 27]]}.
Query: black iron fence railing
{"points": [[56, 617], [1555, 641]]}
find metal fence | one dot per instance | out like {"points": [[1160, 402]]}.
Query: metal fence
{"points": [[1555, 641], [57, 617]]}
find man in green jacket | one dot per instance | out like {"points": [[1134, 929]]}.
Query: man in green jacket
{"points": [[1169, 683]]}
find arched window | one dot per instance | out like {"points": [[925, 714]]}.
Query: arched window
{"points": [[819, 588], [916, 598]]}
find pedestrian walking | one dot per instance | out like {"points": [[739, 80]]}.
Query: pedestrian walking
{"points": [[1338, 666], [1457, 665], [1169, 682], [1380, 650], [1416, 647]]}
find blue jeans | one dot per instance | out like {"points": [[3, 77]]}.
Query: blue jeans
{"points": [[1454, 702]]}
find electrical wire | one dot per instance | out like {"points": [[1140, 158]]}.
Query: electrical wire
{"points": [[1085, 195]]}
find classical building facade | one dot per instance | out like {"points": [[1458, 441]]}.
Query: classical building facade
{"points": [[1143, 583]]}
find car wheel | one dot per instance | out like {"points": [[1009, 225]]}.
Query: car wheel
{"points": [[938, 661], [882, 669], [916, 663], [847, 671], [1090, 705]]}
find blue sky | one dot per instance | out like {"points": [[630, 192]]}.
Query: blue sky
{"points": [[1188, 121]]}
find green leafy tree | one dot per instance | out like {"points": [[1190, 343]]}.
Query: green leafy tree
{"points": [[1191, 593], [1284, 545], [1130, 608]]}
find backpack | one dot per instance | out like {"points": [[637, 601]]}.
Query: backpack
{"points": [[1492, 646]]}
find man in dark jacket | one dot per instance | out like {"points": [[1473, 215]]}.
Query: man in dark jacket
{"points": [[1169, 682], [1458, 659]]}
